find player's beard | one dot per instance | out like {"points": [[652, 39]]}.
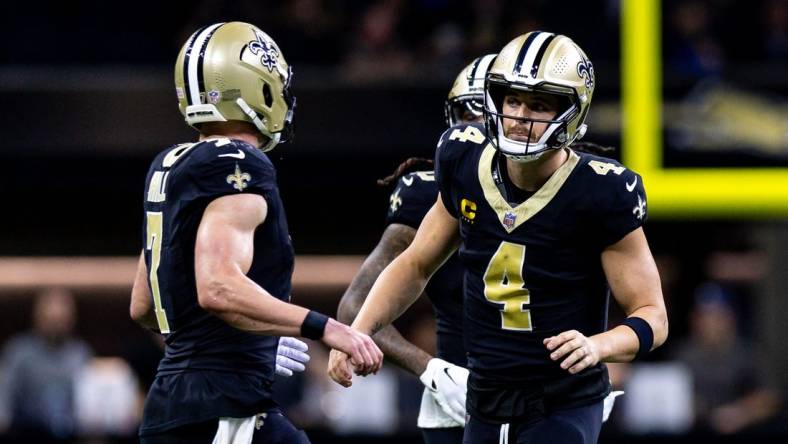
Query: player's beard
{"points": [[523, 132]]}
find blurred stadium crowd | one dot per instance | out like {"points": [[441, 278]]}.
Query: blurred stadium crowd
{"points": [[74, 367], [394, 39]]}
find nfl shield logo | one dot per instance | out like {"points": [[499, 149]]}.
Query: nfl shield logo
{"points": [[508, 220], [214, 96]]}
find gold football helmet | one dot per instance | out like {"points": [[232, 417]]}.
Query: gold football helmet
{"points": [[467, 93], [235, 71], [546, 63]]}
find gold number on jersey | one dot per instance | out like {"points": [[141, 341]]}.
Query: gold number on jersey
{"points": [[426, 176], [158, 183], [175, 154], [469, 133], [602, 168], [155, 230], [503, 284]]}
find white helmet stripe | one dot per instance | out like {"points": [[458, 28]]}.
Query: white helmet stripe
{"points": [[533, 50], [191, 74], [481, 71], [187, 53], [540, 55]]}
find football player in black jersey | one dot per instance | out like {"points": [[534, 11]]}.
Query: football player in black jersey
{"points": [[214, 276], [544, 235], [442, 413]]}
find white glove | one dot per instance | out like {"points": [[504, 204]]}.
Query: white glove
{"points": [[448, 384], [291, 356], [608, 405]]}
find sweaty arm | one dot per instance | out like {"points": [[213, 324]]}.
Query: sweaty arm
{"points": [[403, 281], [395, 240], [446, 382], [141, 309], [223, 254], [635, 284]]}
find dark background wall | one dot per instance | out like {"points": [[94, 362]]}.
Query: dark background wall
{"points": [[87, 100]]}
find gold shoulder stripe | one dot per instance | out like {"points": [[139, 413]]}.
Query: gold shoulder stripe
{"points": [[532, 205]]}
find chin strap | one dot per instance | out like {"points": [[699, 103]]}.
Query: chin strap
{"points": [[273, 139], [526, 158], [509, 146]]}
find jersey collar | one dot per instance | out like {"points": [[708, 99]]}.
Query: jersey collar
{"points": [[511, 218]]}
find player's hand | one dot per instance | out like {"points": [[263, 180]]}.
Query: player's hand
{"points": [[448, 384], [365, 356], [575, 351], [339, 368], [291, 356]]}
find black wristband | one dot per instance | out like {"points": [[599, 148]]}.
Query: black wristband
{"points": [[314, 325], [644, 333]]}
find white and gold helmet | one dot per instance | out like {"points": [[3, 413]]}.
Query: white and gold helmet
{"points": [[235, 71], [547, 63], [467, 93]]}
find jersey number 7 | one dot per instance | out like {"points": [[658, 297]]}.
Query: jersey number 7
{"points": [[154, 226], [155, 231]]}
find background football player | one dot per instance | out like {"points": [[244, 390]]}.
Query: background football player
{"points": [[442, 413], [215, 273], [542, 232]]}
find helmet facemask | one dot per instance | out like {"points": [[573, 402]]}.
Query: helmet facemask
{"points": [[555, 133], [288, 131], [458, 109]]}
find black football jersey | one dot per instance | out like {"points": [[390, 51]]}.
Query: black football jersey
{"points": [[413, 197], [180, 184], [533, 270]]}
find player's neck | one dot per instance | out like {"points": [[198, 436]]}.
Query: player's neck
{"points": [[251, 139], [232, 129], [530, 176]]}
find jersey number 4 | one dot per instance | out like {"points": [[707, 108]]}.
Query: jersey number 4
{"points": [[602, 168], [504, 285], [469, 133]]}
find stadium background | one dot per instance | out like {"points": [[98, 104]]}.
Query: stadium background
{"points": [[88, 100]]}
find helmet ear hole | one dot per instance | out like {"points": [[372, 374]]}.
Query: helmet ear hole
{"points": [[268, 98]]}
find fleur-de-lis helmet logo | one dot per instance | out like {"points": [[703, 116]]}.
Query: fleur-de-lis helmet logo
{"points": [[586, 71], [266, 49]]}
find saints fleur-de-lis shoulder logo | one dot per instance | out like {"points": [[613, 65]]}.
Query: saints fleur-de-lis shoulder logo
{"points": [[586, 71], [266, 49], [640, 209], [395, 201], [238, 179]]}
